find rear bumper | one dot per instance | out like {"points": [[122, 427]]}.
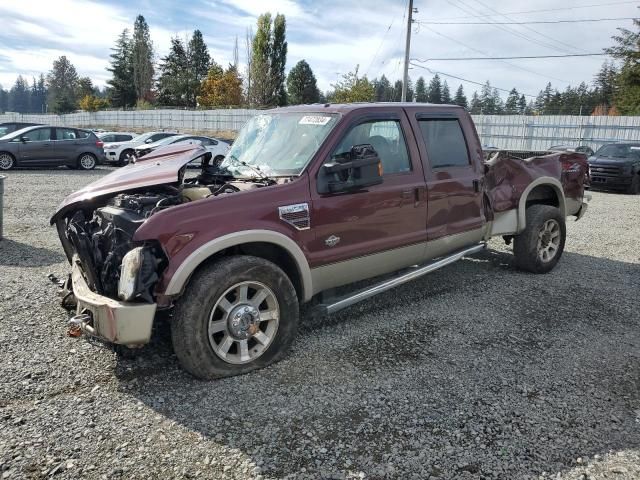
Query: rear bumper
{"points": [[118, 322]]}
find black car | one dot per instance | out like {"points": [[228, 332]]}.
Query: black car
{"points": [[50, 146], [616, 166], [10, 127]]}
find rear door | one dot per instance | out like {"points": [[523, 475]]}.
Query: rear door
{"points": [[453, 174], [37, 147], [365, 233], [66, 145]]}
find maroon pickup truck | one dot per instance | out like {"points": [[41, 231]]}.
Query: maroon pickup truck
{"points": [[308, 198]]}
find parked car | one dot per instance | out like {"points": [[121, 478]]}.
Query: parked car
{"points": [[113, 137], [588, 151], [616, 166], [50, 146], [122, 153], [218, 148], [309, 198], [10, 127]]}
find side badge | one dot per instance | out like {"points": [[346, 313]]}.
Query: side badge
{"points": [[332, 241]]}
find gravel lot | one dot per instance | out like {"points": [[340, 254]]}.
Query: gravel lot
{"points": [[476, 371]]}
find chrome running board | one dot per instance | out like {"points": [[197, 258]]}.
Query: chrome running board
{"points": [[415, 272]]}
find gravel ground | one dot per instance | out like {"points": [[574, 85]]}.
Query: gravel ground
{"points": [[476, 371]]}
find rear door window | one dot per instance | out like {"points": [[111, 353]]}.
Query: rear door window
{"points": [[445, 142], [122, 138], [160, 136], [66, 134]]}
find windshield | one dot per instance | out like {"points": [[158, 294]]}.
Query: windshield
{"points": [[278, 144], [619, 151]]}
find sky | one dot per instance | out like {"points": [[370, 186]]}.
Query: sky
{"points": [[333, 36]]}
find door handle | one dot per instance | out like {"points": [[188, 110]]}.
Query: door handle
{"points": [[407, 193]]}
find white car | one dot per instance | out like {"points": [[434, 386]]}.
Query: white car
{"points": [[116, 137], [216, 147], [121, 153]]}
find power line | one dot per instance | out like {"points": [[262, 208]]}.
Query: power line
{"points": [[380, 46], [466, 79], [546, 10], [514, 57], [537, 22], [473, 49]]}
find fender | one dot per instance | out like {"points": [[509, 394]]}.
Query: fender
{"points": [[184, 271], [522, 205]]}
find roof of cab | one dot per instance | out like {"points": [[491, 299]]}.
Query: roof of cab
{"points": [[349, 107]]}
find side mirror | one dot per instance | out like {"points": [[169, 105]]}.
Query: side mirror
{"points": [[24, 139], [148, 140], [357, 169]]}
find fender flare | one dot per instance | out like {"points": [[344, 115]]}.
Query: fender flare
{"points": [[195, 259], [522, 205]]}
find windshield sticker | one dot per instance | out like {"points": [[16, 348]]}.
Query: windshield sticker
{"points": [[314, 120]]}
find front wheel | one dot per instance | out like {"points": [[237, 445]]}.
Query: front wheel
{"points": [[87, 161], [125, 158], [539, 247], [236, 315]]}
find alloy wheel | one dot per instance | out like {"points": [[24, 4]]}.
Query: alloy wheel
{"points": [[87, 162], [6, 161], [548, 240]]}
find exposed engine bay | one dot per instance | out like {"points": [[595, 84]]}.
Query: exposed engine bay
{"points": [[102, 236]]}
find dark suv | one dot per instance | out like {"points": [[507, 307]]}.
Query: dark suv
{"points": [[50, 146], [616, 166]]}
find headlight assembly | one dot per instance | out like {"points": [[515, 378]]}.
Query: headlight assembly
{"points": [[138, 274]]}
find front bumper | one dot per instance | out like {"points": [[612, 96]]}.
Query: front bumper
{"points": [[124, 323], [610, 181]]}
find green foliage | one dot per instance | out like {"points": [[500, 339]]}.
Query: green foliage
{"points": [[85, 87], [121, 86], [434, 92], [268, 60], [421, 91], [301, 84], [199, 63], [353, 89], [174, 80], [62, 82], [446, 95], [511, 105], [460, 98], [19, 95], [142, 58], [627, 79]]}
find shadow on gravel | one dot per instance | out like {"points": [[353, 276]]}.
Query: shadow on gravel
{"points": [[475, 371], [17, 254]]}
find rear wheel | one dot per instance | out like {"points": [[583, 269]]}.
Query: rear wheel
{"points": [[539, 247], [87, 161], [7, 162], [634, 188], [236, 315]]}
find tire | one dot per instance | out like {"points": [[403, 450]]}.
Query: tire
{"points": [[125, 158], [545, 232], [87, 161], [210, 318], [7, 161], [634, 188], [218, 159]]}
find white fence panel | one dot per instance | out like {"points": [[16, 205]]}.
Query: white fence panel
{"points": [[501, 131]]}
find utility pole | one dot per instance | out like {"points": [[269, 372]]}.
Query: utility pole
{"points": [[407, 48]]}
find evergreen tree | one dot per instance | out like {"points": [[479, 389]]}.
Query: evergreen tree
{"points": [[476, 105], [627, 80], [522, 105], [434, 94], [421, 91], [62, 84], [511, 105], [383, 89], [199, 63], [396, 96], [174, 81], [268, 60], [19, 96], [279, 60], [460, 98], [4, 100], [122, 90], [446, 95], [85, 87], [301, 85], [142, 55]]}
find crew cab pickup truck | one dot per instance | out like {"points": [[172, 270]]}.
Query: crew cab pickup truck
{"points": [[309, 198]]}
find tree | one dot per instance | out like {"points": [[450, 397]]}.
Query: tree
{"points": [[627, 80], [62, 83], [522, 105], [353, 89], [511, 105], [122, 90], [446, 95], [91, 103], [4, 99], [173, 83], [142, 56], [301, 84], [38, 97], [268, 60], [383, 89], [221, 88], [421, 91], [476, 105], [460, 98], [19, 96], [435, 90], [199, 63], [397, 91], [85, 87]]}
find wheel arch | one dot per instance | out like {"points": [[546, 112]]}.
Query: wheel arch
{"points": [[542, 191], [272, 246]]}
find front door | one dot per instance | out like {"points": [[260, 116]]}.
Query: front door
{"points": [[35, 147], [366, 233], [453, 181]]}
